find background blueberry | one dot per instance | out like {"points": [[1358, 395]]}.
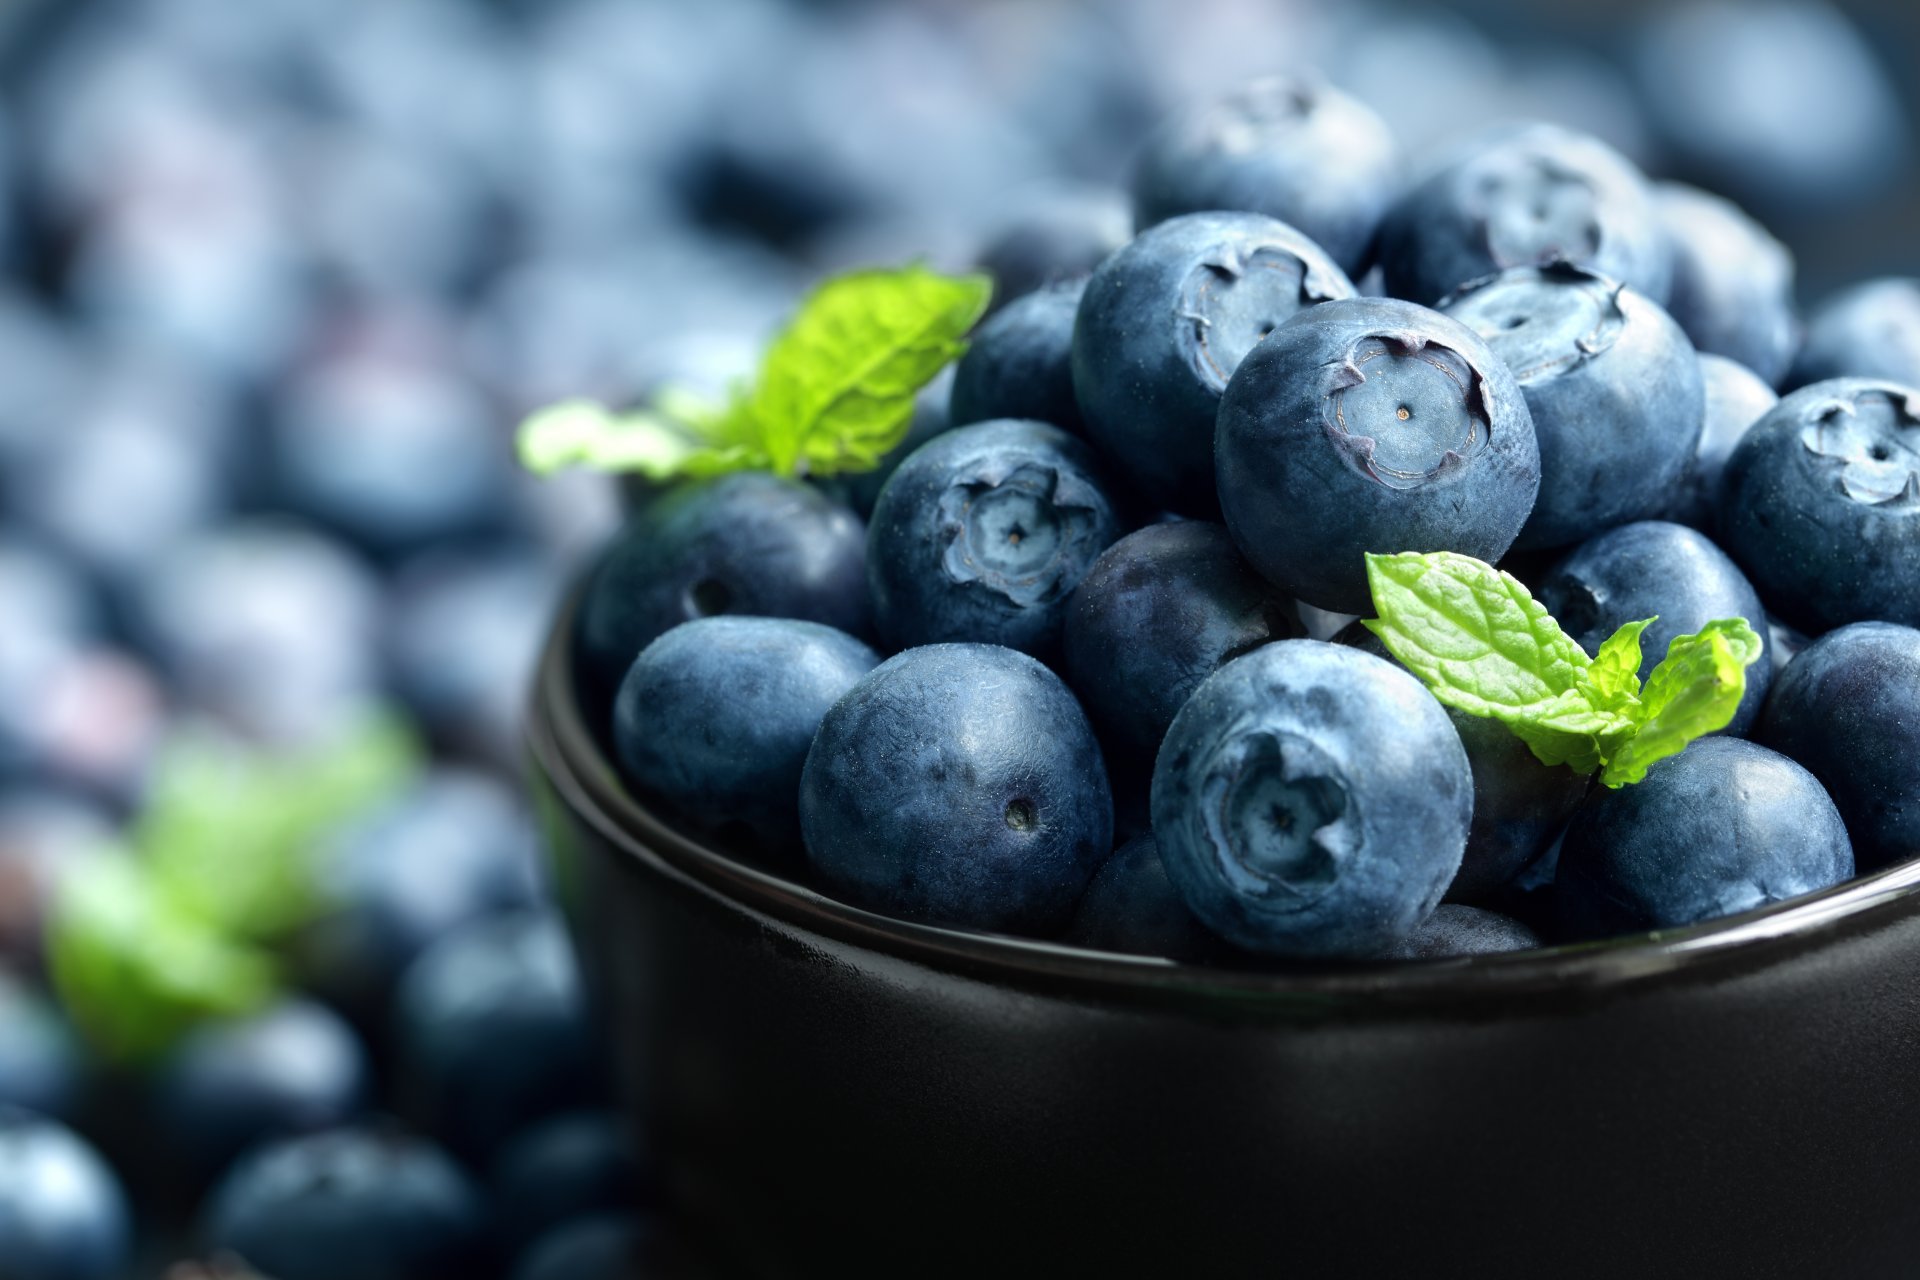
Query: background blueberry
{"points": [[613, 1247], [1524, 196], [1732, 281], [1736, 399], [1519, 804], [62, 1214], [1291, 147], [716, 716], [1132, 907], [1721, 828], [1663, 571], [1614, 387], [1848, 709], [570, 1167], [959, 784], [1371, 425], [1162, 327], [983, 533], [41, 1064], [372, 1204], [1312, 800], [1454, 930], [1061, 236], [746, 543], [1160, 610], [1020, 362], [492, 1034], [1820, 504], [1871, 330], [295, 1068]]}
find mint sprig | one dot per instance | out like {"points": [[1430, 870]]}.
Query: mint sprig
{"points": [[145, 943], [834, 392], [1484, 645]]}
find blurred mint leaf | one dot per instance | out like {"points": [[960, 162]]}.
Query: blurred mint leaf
{"points": [[135, 968], [1479, 640], [1694, 691], [229, 832], [836, 391]]}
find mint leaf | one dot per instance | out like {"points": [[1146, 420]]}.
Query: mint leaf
{"points": [[229, 832], [1613, 681], [135, 968], [657, 445], [1693, 692], [1484, 645], [836, 392]]}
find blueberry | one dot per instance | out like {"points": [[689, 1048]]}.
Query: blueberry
{"points": [[1615, 389], [492, 1033], [1784, 102], [360, 1202], [1132, 907], [41, 1063], [62, 1213], [1163, 325], [568, 1168], [613, 1247], [1656, 570], [716, 716], [1519, 804], [1060, 237], [1522, 197], [452, 849], [1820, 504], [1869, 331], [1020, 363], [960, 784], [1371, 425], [1721, 828], [1465, 931], [747, 543], [1290, 147], [1848, 709], [1312, 800], [1159, 612], [1736, 399], [295, 1068], [982, 534], [1732, 281]]}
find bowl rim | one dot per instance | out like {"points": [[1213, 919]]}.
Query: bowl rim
{"points": [[567, 755]]}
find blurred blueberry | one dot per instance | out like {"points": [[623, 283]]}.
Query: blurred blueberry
{"points": [[1736, 399], [1454, 930], [568, 1168], [268, 625], [395, 455], [612, 1247], [1429, 72], [42, 1063], [45, 834], [1291, 147], [362, 1202], [452, 850], [90, 718], [1131, 907], [43, 374], [1732, 282], [63, 1215], [294, 1068], [1871, 330], [492, 1034], [1783, 103], [1058, 237]]}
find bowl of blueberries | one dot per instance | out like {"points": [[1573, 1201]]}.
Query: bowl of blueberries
{"points": [[1359, 735]]}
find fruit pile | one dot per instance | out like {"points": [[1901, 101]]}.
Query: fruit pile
{"points": [[1223, 609]]}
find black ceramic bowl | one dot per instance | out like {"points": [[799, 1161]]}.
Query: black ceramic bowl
{"points": [[836, 1093]]}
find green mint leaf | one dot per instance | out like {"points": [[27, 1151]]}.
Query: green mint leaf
{"points": [[658, 445], [836, 391], [229, 833], [1484, 645], [1613, 681], [136, 968], [1693, 692]]}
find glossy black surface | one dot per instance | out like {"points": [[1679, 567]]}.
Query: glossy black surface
{"points": [[833, 1092]]}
